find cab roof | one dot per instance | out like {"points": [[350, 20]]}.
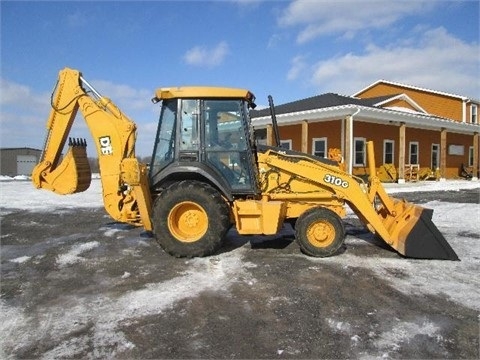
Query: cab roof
{"points": [[196, 92]]}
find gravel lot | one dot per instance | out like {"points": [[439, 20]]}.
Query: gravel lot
{"points": [[74, 284]]}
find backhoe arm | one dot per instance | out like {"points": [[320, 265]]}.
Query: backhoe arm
{"points": [[126, 193]]}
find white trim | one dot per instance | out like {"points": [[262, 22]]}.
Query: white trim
{"points": [[342, 137], [362, 139], [385, 141], [438, 156], [410, 152], [325, 140], [403, 97], [410, 87], [473, 106], [369, 114], [286, 141]]}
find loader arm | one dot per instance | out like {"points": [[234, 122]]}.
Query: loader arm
{"points": [[126, 194], [404, 226]]}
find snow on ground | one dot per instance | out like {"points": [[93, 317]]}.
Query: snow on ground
{"points": [[108, 314], [432, 186], [22, 194], [454, 280], [73, 256], [19, 193]]}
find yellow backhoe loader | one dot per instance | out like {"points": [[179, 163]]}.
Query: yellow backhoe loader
{"points": [[207, 174]]}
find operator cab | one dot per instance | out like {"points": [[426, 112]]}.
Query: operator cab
{"points": [[205, 134]]}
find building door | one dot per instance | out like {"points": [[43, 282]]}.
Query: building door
{"points": [[25, 164], [435, 160]]}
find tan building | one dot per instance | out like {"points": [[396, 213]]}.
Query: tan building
{"points": [[417, 133], [18, 161]]}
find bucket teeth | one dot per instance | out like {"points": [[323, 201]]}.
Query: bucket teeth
{"points": [[77, 142]]}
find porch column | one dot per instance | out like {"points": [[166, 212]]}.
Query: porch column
{"points": [[348, 143], [443, 154], [401, 153], [269, 134], [305, 136], [476, 151]]}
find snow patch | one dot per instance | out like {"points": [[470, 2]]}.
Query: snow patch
{"points": [[405, 332], [73, 256], [21, 259], [23, 195], [431, 277], [339, 326], [100, 316]]}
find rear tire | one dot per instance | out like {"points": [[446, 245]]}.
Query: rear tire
{"points": [[190, 219], [319, 232]]}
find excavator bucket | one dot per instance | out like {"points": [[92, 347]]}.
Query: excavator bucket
{"points": [[413, 234], [73, 175]]}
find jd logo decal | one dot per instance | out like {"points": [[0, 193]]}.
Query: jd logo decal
{"points": [[105, 145]]}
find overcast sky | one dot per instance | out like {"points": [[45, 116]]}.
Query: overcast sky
{"points": [[289, 49]]}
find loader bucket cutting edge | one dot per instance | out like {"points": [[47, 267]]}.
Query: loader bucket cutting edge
{"points": [[414, 235], [425, 241]]}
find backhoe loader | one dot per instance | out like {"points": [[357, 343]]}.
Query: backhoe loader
{"points": [[208, 174]]}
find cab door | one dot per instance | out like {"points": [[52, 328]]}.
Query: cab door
{"points": [[226, 143]]}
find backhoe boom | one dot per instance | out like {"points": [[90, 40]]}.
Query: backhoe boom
{"points": [[126, 193]]}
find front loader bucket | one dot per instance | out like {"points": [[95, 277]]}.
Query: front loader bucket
{"points": [[71, 176], [413, 234], [425, 241]]}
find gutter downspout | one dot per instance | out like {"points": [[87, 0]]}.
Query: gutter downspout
{"points": [[350, 139]]}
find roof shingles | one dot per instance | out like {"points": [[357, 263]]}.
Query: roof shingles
{"points": [[318, 102]]}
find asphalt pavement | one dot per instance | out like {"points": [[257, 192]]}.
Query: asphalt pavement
{"points": [[74, 284]]}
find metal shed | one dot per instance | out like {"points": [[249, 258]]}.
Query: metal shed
{"points": [[18, 161]]}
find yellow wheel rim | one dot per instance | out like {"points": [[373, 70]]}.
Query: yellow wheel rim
{"points": [[321, 234], [187, 221]]}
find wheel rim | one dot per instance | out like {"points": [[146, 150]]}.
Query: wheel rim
{"points": [[321, 234], [188, 221]]}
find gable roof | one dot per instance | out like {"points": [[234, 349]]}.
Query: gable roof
{"points": [[463, 98], [403, 97], [319, 102], [331, 100]]}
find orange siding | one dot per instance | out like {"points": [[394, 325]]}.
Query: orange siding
{"points": [[433, 103], [332, 130], [378, 133], [425, 139], [329, 129], [454, 162], [292, 132], [399, 103]]}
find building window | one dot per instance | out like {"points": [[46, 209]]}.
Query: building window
{"points": [[388, 155], [319, 147], [474, 114], [286, 144], [470, 156], [360, 155], [413, 152], [435, 160]]}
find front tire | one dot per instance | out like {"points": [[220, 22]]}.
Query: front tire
{"points": [[190, 219], [319, 232]]}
